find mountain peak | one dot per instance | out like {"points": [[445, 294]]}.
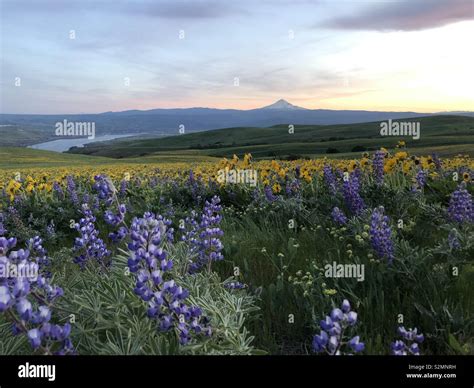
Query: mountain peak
{"points": [[282, 104]]}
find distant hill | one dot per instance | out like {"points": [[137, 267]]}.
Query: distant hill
{"points": [[22, 136], [449, 134], [168, 121]]}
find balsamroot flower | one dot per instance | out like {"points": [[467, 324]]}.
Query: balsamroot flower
{"points": [[332, 338], [381, 234], [154, 283], [409, 343]]}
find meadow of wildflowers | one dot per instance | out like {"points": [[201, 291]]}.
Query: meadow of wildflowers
{"points": [[168, 259]]}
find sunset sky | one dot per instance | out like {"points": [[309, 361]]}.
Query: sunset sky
{"points": [[412, 55]]}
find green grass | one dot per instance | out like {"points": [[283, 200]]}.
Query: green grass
{"points": [[448, 135], [418, 284], [257, 240], [19, 157], [18, 136]]}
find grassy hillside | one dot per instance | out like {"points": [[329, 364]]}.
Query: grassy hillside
{"points": [[448, 134], [17, 158], [19, 136]]}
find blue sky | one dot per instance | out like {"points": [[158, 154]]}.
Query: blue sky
{"points": [[374, 55]]}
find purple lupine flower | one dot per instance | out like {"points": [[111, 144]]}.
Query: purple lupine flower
{"points": [[115, 219], [338, 216], [350, 191], [332, 339], [151, 266], [356, 345], [123, 188], [329, 179], [3, 231], [153, 182], [409, 343], [24, 308], [35, 245], [381, 234], [6, 298], [204, 236], [461, 207], [269, 194], [453, 240], [118, 235], [51, 229], [298, 172], [29, 298], [105, 188], [58, 190], [194, 187], [234, 286], [437, 161], [34, 336], [71, 189], [89, 244], [86, 198], [292, 187], [346, 306], [102, 186], [6, 244], [377, 166], [420, 178]]}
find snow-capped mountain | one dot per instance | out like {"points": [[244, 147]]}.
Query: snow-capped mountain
{"points": [[282, 104]]}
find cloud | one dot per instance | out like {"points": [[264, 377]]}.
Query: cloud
{"points": [[185, 9], [405, 15], [166, 9]]}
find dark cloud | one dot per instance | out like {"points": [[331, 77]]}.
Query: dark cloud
{"points": [[184, 9], [167, 9], [405, 15]]}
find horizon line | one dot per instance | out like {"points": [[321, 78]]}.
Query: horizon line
{"points": [[244, 110]]}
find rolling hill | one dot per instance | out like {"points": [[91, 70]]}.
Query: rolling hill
{"points": [[446, 134], [168, 121]]}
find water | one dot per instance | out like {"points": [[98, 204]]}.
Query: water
{"points": [[62, 145]]}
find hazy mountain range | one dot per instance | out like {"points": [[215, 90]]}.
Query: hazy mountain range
{"points": [[168, 121]]}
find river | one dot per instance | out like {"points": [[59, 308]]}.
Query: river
{"points": [[62, 145]]}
